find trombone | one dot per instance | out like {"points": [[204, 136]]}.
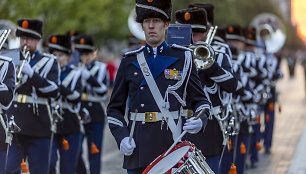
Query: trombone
{"points": [[203, 53]]}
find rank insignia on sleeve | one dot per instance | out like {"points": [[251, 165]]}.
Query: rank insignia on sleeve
{"points": [[173, 74]]}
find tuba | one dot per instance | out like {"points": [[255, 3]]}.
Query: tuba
{"points": [[26, 57], [270, 29], [203, 53]]}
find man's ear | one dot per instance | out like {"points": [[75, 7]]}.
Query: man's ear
{"points": [[167, 25]]}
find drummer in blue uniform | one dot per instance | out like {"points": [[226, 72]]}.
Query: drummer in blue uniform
{"points": [[216, 78], [154, 82], [7, 88], [31, 103], [96, 78], [69, 132]]}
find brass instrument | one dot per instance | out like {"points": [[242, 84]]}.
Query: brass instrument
{"points": [[25, 58], [4, 35], [271, 30], [203, 53]]}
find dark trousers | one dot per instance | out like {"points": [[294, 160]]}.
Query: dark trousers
{"points": [[269, 125], [94, 134], [68, 158], [34, 149], [2, 161], [213, 163]]}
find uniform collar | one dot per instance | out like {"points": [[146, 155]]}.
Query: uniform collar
{"points": [[160, 49]]}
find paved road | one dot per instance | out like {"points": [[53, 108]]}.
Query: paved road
{"points": [[288, 149]]}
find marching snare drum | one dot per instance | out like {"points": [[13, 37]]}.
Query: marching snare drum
{"points": [[184, 158]]}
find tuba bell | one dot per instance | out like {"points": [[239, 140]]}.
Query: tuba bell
{"points": [[203, 53], [270, 29]]}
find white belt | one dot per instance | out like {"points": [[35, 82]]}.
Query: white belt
{"points": [[187, 113], [90, 98], [152, 116], [22, 98]]}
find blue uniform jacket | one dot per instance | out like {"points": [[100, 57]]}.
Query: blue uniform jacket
{"points": [[151, 140], [7, 87], [70, 97], [45, 86], [97, 87]]}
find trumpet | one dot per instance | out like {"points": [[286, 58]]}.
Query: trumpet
{"points": [[203, 53], [26, 58]]}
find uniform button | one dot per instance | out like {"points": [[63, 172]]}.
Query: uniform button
{"points": [[89, 104], [135, 73], [142, 105], [141, 88], [29, 106], [15, 105]]}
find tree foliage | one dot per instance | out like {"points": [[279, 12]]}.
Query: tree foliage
{"points": [[108, 18]]}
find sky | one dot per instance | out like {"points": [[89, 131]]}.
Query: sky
{"points": [[299, 16]]}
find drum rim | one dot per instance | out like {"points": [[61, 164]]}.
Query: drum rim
{"points": [[160, 157]]}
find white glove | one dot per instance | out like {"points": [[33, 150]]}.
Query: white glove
{"points": [[27, 69], [126, 148], [193, 126], [85, 74]]}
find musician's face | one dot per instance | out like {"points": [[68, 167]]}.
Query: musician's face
{"points": [[87, 57], [31, 43], [154, 29], [62, 58], [238, 44], [198, 36]]}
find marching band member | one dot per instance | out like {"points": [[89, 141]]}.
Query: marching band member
{"points": [[275, 73], [154, 81], [7, 88], [215, 79], [69, 130], [30, 106], [96, 79]]}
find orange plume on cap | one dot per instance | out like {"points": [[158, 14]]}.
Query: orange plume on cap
{"points": [[231, 29], [25, 24], [187, 16], [54, 40], [82, 41]]}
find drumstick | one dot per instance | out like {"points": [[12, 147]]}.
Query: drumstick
{"points": [[181, 136], [133, 126]]}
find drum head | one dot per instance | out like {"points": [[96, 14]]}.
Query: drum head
{"points": [[164, 164]]}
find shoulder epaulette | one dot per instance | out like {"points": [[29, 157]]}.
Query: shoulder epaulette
{"points": [[133, 52], [51, 56], [5, 58], [180, 47]]}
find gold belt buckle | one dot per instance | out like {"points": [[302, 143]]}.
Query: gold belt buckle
{"points": [[189, 113], [151, 116], [84, 97], [21, 98]]}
